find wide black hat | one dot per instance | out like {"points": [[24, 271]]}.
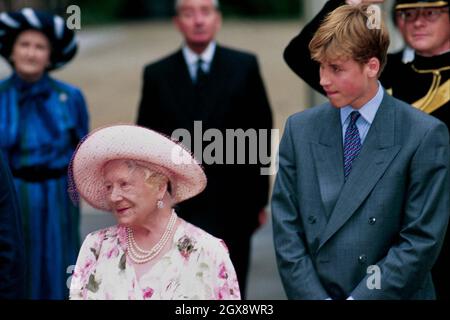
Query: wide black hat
{"points": [[407, 4], [63, 40]]}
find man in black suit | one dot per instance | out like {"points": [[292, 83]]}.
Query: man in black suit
{"points": [[207, 87], [12, 250]]}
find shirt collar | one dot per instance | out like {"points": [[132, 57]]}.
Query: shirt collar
{"points": [[408, 55], [367, 111], [207, 55]]}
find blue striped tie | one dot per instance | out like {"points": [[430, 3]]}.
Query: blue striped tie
{"points": [[352, 143]]}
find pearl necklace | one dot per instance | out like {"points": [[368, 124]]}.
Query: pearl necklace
{"points": [[139, 255]]}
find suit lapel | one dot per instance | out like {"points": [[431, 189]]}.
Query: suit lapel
{"points": [[213, 87], [183, 87], [377, 153], [328, 156], [198, 105]]}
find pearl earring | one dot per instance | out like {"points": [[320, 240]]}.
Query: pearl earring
{"points": [[160, 204]]}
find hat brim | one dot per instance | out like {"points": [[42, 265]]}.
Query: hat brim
{"points": [[412, 5], [131, 142]]}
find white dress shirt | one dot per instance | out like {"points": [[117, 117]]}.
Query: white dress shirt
{"points": [[367, 111], [191, 59]]}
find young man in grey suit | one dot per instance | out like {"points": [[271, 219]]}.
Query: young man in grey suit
{"points": [[205, 86], [361, 200]]}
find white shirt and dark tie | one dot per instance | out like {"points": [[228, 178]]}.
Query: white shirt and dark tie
{"points": [[355, 126], [195, 61]]}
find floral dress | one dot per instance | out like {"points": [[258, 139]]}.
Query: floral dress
{"points": [[197, 266]]}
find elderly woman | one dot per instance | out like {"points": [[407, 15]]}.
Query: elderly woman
{"points": [[139, 175], [41, 122]]}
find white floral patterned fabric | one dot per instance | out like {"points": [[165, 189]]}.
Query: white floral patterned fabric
{"points": [[196, 267]]}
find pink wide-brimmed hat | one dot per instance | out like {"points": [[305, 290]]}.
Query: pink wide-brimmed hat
{"points": [[131, 142]]}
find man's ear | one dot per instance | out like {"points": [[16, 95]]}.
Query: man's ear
{"points": [[220, 18], [373, 67], [176, 22], [218, 22]]}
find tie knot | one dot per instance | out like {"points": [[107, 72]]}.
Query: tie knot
{"points": [[354, 117], [200, 76], [200, 63]]}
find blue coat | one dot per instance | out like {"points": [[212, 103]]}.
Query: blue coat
{"points": [[40, 126], [12, 251]]}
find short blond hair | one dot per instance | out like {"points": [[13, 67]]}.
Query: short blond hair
{"points": [[344, 33]]}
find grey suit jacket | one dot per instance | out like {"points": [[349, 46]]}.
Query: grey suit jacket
{"points": [[391, 212]]}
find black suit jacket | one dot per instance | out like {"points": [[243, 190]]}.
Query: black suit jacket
{"points": [[12, 255], [232, 97]]}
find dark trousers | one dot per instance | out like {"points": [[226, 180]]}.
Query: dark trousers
{"points": [[240, 257], [441, 270]]}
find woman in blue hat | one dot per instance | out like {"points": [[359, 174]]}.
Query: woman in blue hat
{"points": [[41, 122]]}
